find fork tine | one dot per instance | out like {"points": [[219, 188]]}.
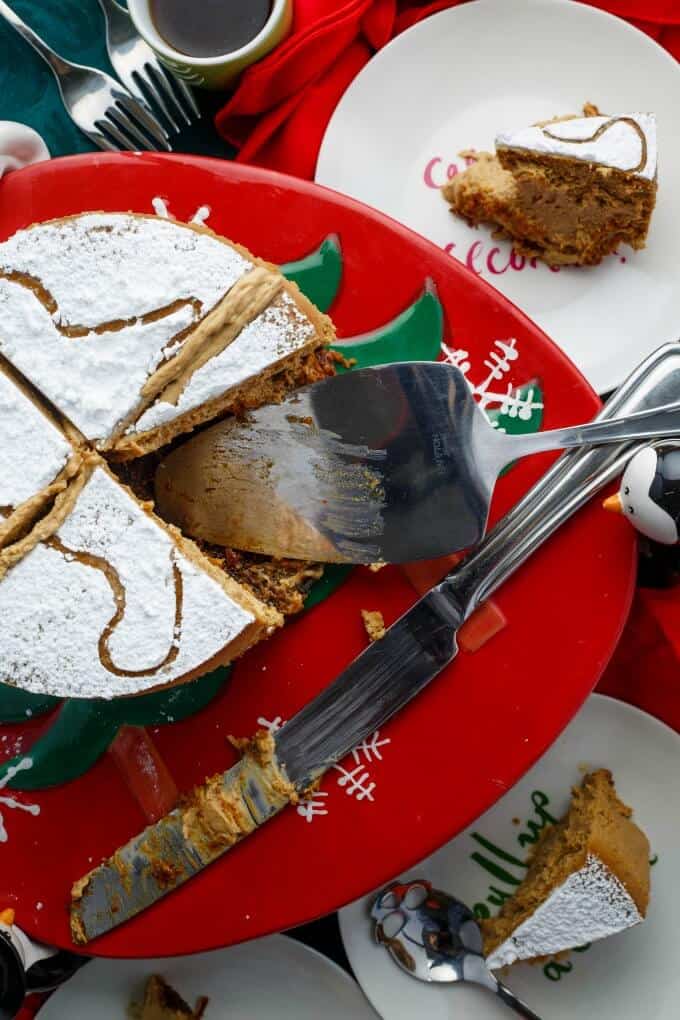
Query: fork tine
{"points": [[126, 124], [162, 87], [129, 108], [99, 138], [108, 128], [185, 94], [148, 94]]}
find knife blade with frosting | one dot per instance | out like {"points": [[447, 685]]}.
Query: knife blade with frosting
{"points": [[276, 770]]}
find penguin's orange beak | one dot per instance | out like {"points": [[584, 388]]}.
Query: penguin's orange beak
{"points": [[613, 504]]}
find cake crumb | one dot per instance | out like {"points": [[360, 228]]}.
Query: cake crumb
{"points": [[590, 110], [376, 567], [374, 623]]}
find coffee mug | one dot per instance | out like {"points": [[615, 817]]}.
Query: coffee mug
{"points": [[213, 72]]}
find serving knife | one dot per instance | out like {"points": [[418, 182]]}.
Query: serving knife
{"points": [[384, 678]]}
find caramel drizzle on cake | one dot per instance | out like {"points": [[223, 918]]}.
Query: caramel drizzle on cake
{"points": [[120, 599], [244, 302], [76, 332], [601, 130]]}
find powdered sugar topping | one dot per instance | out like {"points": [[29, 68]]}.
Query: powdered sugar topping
{"points": [[32, 451], [99, 276], [57, 608], [592, 904], [279, 331], [626, 142]]}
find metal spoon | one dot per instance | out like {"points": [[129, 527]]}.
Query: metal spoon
{"points": [[395, 463], [436, 938]]}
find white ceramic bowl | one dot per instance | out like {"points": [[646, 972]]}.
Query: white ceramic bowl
{"points": [[213, 72]]}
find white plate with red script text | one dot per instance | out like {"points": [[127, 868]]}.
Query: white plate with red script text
{"points": [[450, 83], [628, 976]]}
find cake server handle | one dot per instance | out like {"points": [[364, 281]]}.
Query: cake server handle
{"points": [[511, 1000]]}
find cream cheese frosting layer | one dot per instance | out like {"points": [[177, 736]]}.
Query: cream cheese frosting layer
{"points": [[32, 450], [151, 616], [626, 142], [272, 336], [91, 306], [592, 904]]}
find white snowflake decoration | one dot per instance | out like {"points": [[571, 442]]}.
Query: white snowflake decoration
{"points": [[10, 802], [499, 364], [356, 781], [270, 725], [162, 208], [370, 748], [313, 806]]}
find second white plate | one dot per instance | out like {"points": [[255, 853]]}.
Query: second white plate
{"points": [[449, 83], [274, 978], [626, 977]]}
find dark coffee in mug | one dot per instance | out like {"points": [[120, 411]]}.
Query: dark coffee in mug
{"points": [[209, 28]]}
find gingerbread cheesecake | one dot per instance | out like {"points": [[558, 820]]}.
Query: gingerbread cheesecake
{"points": [[568, 191], [588, 878], [121, 334], [162, 1002]]}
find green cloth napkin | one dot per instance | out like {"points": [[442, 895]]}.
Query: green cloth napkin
{"points": [[28, 89]]}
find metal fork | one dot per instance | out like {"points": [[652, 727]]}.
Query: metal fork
{"points": [[102, 108], [141, 72]]}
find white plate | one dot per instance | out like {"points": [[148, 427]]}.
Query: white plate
{"points": [[449, 83], [626, 977], [274, 978]]}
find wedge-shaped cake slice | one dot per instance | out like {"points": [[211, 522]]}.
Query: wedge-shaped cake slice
{"points": [[569, 191], [111, 602], [106, 313], [33, 450], [36, 464], [162, 1002], [588, 878]]}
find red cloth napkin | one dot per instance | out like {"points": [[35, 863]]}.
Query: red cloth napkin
{"points": [[278, 114]]}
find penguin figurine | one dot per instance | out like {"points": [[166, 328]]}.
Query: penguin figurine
{"points": [[649, 494]]}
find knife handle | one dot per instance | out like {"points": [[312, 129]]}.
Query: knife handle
{"points": [[572, 480]]}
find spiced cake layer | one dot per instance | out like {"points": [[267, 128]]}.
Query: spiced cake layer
{"points": [[568, 191]]}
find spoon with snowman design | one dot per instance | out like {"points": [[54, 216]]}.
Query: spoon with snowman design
{"points": [[649, 494], [436, 938], [393, 463]]}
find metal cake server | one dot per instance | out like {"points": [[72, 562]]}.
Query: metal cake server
{"points": [[389, 673], [395, 463], [436, 938]]}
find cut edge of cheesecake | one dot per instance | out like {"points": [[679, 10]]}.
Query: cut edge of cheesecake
{"points": [[565, 199], [588, 877]]}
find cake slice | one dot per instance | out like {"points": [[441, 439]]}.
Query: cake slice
{"points": [[568, 191], [36, 465], [162, 1002], [110, 315], [106, 600], [588, 878]]}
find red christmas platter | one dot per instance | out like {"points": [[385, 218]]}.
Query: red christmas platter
{"points": [[81, 777]]}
